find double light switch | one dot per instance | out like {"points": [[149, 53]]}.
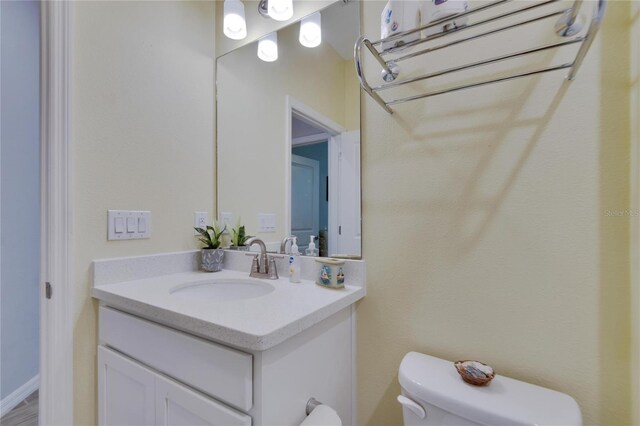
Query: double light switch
{"points": [[128, 224]]}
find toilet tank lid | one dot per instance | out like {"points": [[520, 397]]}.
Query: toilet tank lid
{"points": [[504, 401]]}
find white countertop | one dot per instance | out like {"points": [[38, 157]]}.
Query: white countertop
{"points": [[253, 324]]}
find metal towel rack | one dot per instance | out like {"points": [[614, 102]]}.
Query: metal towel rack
{"points": [[567, 27]]}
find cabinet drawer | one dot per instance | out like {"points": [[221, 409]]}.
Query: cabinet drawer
{"points": [[222, 372]]}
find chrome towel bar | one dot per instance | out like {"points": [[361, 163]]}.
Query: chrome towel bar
{"points": [[567, 26]]}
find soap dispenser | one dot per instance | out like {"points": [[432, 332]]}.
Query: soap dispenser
{"points": [[294, 262], [312, 250]]}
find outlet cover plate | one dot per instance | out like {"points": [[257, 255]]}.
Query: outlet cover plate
{"points": [[267, 222], [200, 220], [226, 219]]}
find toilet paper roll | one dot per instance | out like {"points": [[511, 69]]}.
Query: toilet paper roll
{"points": [[322, 415]]}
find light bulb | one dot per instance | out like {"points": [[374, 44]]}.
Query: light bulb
{"points": [[311, 30], [280, 10], [268, 47], [234, 25]]}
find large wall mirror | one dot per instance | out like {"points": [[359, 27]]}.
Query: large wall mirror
{"points": [[288, 154]]}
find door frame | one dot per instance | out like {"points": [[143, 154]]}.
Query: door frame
{"points": [[56, 320], [334, 130], [345, 219]]}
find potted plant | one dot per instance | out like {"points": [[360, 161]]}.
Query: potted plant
{"points": [[239, 237], [212, 254]]}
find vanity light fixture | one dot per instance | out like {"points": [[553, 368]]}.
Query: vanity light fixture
{"points": [[311, 30], [280, 10], [263, 8], [268, 47], [234, 25]]}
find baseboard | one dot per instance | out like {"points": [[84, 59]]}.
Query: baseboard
{"points": [[19, 395]]}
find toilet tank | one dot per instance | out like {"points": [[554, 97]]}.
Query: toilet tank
{"points": [[438, 392]]}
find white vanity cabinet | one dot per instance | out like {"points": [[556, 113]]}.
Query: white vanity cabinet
{"points": [[178, 405], [152, 374], [131, 394], [126, 391]]}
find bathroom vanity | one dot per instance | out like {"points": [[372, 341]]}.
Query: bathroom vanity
{"points": [[180, 346]]}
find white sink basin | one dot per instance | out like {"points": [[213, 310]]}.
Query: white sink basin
{"points": [[222, 289]]}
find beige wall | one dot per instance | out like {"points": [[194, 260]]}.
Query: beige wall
{"points": [[143, 138], [635, 206], [502, 193], [351, 97], [252, 126]]}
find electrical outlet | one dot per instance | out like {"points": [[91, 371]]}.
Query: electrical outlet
{"points": [[200, 220]]}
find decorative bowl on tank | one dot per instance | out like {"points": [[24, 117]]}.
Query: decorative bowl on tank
{"points": [[475, 372]]}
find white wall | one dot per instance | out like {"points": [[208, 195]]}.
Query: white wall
{"points": [[20, 183]]}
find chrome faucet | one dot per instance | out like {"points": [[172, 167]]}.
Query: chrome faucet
{"points": [[283, 244], [263, 266]]}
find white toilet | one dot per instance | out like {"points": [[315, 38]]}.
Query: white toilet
{"points": [[434, 394]]}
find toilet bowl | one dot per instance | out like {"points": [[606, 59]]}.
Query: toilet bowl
{"points": [[434, 394]]}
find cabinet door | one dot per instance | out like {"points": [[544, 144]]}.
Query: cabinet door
{"points": [[125, 391], [177, 405]]}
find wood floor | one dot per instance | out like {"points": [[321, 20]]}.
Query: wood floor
{"points": [[23, 414]]}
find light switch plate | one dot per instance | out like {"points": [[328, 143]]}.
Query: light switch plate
{"points": [[267, 222], [200, 220], [128, 224]]}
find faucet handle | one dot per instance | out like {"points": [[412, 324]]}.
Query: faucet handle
{"points": [[273, 270], [255, 265]]}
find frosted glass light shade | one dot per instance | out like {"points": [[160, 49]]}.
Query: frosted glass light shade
{"points": [[234, 25], [280, 10], [268, 47], [311, 30]]}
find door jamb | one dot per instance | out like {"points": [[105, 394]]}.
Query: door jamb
{"points": [[56, 320]]}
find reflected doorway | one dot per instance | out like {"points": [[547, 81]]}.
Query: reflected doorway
{"points": [[325, 185]]}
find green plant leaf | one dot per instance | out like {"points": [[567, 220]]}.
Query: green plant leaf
{"points": [[207, 243], [214, 233], [239, 235], [201, 231]]}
